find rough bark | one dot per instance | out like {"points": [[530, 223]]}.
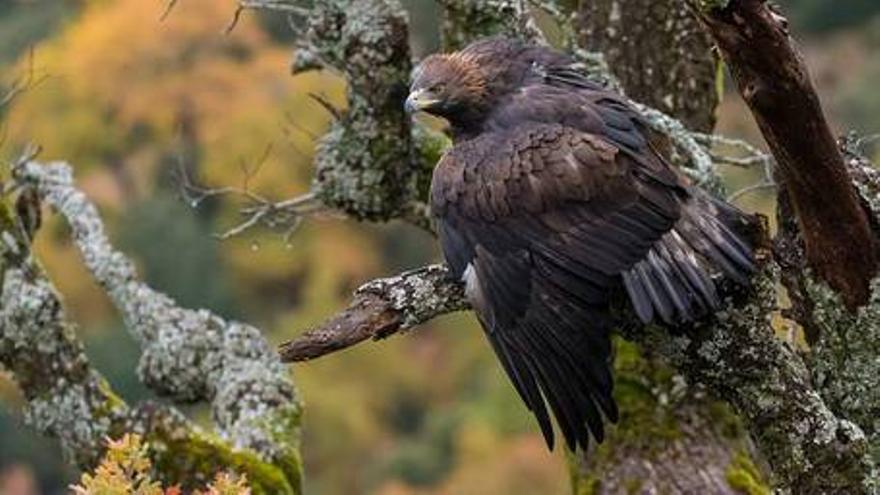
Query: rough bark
{"points": [[659, 52], [844, 345], [773, 80], [366, 165], [379, 309], [467, 20]]}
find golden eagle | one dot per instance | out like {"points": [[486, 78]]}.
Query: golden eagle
{"points": [[551, 197]]}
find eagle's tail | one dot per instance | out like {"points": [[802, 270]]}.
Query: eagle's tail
{"points": [[674, 282]]}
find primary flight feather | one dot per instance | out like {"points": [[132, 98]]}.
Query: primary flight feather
{"points": [[550, 197]]}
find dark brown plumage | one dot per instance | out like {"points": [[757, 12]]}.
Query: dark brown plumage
{"points": [[551, 197]]}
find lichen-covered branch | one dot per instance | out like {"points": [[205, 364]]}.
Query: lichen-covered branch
{"points": [[844, 345], [739, 358], [66, 398], [381, 308], [366, 165], [188, 355]]}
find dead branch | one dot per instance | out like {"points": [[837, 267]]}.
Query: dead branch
{"points": [[773, 80], [379, 309]]}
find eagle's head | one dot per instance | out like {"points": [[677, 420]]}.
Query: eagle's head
{"points": [[451, 86]]}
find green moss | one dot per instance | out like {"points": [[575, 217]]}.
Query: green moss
{"points": [[6, 220], [645, 422], [283, 426], [195, 460], [113, 401], [725, 420], [581, 483], [744, 477], [633, 486]]}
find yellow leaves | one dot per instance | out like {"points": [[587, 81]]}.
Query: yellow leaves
{"points": [[126, 470], [123, 471], [120, 78], [123, 53], [226, 484]]}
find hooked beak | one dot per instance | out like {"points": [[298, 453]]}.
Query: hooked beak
{"points": [[419, 99]]}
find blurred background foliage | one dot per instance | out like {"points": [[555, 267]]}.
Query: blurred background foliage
{"points": [[130, 100]]}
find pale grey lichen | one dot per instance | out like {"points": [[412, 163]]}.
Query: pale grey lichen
{"points": [[696, 160], [737, 356], [365, 165], [188, 354], [467, 20], [845, 362], [419, 295], [71, 413], [65, 398], [863, 172]]}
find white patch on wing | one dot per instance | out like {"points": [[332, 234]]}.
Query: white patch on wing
{"points": [[471, 283], [474, 293]]}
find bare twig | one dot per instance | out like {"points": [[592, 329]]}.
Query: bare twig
{"points": [[23, 83], [168, 8], [327, 105], [275, 5], [763, 185], [285, 216]]}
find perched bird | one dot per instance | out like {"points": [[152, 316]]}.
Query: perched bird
{"points": [[550, 198]]}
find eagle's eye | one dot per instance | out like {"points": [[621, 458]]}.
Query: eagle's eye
{"points": [[438, 88]]}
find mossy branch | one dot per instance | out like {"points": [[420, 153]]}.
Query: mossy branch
{"points": [[189, 355]]}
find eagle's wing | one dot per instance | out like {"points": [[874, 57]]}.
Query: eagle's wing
{"points": [[540, 222]]}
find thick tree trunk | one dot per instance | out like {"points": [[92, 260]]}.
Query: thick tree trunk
{"points": [[672, 438], [659, 52], [662, 57]]}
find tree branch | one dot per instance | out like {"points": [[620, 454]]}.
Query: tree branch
{"points": [[737, 355], [65, 397], [188, 355], [366, 165], [774, 82], [379, 309]]}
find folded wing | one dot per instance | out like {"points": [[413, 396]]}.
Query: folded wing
{"points": [[541, 222]]}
